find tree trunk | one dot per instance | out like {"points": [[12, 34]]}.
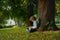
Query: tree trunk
{"points": [[46, 12], [29, 13]]}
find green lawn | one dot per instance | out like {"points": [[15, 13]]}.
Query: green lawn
{"points": [[21, 34]]}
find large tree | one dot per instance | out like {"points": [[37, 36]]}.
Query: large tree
{"points": [[46, 12]]}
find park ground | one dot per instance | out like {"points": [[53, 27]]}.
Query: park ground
{"points": [[20, 33]]}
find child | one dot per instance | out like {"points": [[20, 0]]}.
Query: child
{"points": [[34, 27]]}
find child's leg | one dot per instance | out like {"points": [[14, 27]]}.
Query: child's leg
{"points": [[28, 29], [33, 30]]}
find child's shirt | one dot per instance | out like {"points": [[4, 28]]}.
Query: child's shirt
{"points": [[34, 24]]}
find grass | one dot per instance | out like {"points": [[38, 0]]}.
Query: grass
{"points": [[17, 33]]}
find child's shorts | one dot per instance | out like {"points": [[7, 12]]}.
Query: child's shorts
{"points": [[31, 29]]}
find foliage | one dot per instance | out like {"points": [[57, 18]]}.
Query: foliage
{"points": [[18, 8], [12, 9], [57, 11]]}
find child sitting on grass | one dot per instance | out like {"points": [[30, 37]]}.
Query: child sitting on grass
{"points": [[34, 27]]}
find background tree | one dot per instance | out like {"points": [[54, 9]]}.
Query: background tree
{"points": [[13, 9], [30, 10]]}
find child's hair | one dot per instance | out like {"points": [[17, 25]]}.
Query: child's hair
{"points": [[32, 18]]}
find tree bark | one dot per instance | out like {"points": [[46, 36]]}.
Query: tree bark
{"points": [[29, 12], [46, 13]]}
